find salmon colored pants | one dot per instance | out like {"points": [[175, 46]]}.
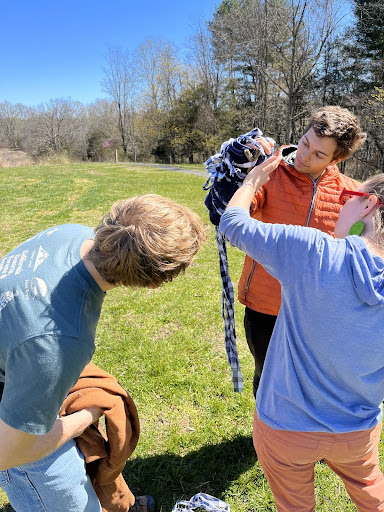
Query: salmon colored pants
{"points": [[288, 460]]}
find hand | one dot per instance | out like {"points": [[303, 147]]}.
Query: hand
{"points": [[259, 175], [95, 414], [267, 146], [82, 419], [255, 179]]}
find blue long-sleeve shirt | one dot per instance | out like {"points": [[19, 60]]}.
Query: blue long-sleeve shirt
{"points": [[324, 370]]}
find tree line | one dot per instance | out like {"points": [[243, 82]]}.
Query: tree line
{"points": [[265, 63]]}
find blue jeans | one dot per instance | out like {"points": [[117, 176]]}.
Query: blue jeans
{"points": [[58, 482]]}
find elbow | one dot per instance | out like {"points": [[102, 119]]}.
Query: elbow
{"points": [[14, 455], [16, 447], [222, 227], [5, 464], [9, 459]]}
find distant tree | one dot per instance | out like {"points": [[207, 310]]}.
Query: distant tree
{"points": [[372, 113], [101, 116], [309, 25], [120, 83], [241, 33], [351, 75], [206, 75], [180, 135], [102, 128], [12, 117], [161, 77], [159, 73], [369, 35], [57, 126], [272, 48]]}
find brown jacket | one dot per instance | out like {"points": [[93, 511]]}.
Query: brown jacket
{"points": [[106, 453], [290, 198]]}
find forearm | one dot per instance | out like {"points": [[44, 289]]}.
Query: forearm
{"points": [[19, 448], [64, 429], [243, 196]]}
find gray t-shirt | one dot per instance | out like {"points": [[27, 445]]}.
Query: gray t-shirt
{"points": [[49, 309]]}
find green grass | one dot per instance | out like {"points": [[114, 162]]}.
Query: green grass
{"points": [[165, 345]]}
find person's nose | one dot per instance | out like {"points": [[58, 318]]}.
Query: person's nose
{"points": [[305, 156]]}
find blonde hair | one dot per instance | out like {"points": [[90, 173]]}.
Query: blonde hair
{"points": [[340, 124], [145, 241], [375, 187]]}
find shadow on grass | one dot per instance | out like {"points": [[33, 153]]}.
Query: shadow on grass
{"points": [[170, 477]]}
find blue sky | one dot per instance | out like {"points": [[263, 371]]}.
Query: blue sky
{"points": [[51, 49]]}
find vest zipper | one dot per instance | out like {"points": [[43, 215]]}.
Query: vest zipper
{"points": [[249, 280], [307, 224], [313, 198]]}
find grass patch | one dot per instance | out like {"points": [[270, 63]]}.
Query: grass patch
{"points": [[165, 345]]}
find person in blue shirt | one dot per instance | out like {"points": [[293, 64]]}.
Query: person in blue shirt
{"points": [[321, 394], [52, 288]]}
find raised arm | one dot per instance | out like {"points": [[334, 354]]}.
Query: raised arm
{"points": [[257, 177]]}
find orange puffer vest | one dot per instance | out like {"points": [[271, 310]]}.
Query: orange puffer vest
{"points": [[290, 198]]}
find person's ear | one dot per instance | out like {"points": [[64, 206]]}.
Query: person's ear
{"points": [[336, 161], [369, 205]]}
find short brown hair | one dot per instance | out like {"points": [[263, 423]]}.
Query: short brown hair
{"points": [[145, 241], [340, 124]]}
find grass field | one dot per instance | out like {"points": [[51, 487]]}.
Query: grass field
{"points": [[165, 346]]}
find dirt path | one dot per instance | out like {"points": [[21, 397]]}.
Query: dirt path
{"points": [[170, 168]]}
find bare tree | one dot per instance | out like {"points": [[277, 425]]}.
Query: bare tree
{"points": [[12, 117], [120, 83], [161, 77], [57, 126], [241, 36], [101, 115], [160, 74], [206, 72], [310, 25]]}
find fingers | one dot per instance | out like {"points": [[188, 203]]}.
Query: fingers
{"points": [[267, 146], [271, 163], [268, 166], [259, 175]]}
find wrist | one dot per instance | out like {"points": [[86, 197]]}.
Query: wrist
{"points": [[250, 185]]}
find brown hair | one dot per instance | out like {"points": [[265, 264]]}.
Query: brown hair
{"points": [[340, 124], [145, 241]]}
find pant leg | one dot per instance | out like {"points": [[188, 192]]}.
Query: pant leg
{"points": [[356, 461], [288, 461], [258, 331], [58, 482]]}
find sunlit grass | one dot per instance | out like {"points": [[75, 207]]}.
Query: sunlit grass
{"points": [[165, 345]]}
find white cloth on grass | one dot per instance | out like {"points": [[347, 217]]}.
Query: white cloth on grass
{"points": [[201, 501]]}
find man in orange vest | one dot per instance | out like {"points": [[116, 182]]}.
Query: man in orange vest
{"points": [[303, 190]]}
